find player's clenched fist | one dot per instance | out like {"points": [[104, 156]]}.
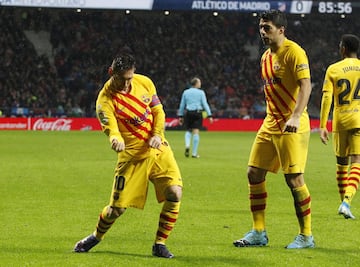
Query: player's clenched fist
{"points": [[117, 146], [155, 141]]}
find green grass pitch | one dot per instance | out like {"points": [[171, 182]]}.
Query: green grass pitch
{"points": [[53, 186]]}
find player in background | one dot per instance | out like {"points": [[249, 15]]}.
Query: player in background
{"points": [[342, 84], [193, 102], [282, 141], [133, 118]]}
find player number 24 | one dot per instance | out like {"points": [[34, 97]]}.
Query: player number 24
{"points": [[344, 95]]}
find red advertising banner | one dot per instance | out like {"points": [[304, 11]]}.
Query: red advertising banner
{"points": [[14, 123], [92, 124], [50, 124], [220, 124], [236, 125]]}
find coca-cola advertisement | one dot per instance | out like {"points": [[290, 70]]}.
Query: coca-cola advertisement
{"points": [[65, 124], [50, 124]]}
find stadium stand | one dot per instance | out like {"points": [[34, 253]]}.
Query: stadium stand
{"points": [[63, 79]]}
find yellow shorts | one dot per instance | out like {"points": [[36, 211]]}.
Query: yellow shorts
{"points": [[132, 178], [346, 142], [272, 151]]}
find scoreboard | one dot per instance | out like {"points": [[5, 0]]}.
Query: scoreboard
{"points": [[292, 6], [288, 6], [325, 7]]}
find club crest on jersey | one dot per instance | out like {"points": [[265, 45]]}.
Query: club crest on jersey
{"points": [[145, 98], [276, 66]]}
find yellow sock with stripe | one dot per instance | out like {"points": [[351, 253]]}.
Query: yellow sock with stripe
{"points": [[353, 182], [167, 220], [103, 224], [258, 196], [342, 179], [302, 203]]}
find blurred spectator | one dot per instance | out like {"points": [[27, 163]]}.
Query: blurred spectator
{"points": [[224, 50]]}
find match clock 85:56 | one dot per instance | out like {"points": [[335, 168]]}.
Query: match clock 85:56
{"points": [[332, 7]]}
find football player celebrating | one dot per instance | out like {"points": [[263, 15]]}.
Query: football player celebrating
{"points": [[132, 117]]}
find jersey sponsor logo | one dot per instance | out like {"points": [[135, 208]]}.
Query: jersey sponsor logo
{"points": [[271, 81], [301, 67], [137, 120]]}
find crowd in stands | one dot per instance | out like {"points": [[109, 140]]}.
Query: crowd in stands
{"points": [[222, 50]]}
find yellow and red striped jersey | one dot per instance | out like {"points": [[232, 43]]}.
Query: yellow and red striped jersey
{"points": [[280, 72], [132, 117], [342, 80]]}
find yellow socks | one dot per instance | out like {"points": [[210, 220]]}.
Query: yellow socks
{"points": [[353, 182], [342, 179], [167, 220], [258, 196], [104, 224], [302, 203]]}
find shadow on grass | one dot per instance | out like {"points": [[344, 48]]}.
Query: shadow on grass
{"points": [[269, 255], [186, 260]]}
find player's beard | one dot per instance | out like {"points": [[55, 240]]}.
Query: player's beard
{"points": [[119, 87], [266, 41]]}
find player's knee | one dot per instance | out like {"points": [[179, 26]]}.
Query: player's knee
{"points": [[114, 212], [173, 193], [295, 180], [251, 174], [255, 175], [342, 160]]}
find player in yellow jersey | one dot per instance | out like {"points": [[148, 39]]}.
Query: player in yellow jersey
{"points": [[283, 138], [133, 118], [342, 84]]}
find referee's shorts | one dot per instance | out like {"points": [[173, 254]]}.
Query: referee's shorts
{"points": [[193, 119]]}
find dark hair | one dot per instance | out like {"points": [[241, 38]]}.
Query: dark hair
{"points": [[124, 61], [351, 43], [277, 17]]}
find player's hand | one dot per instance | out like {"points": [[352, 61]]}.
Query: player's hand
{"points": [[181, 121], [117, 146], [324, 135], [155, 142], [292, 125], [211, 120]]}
